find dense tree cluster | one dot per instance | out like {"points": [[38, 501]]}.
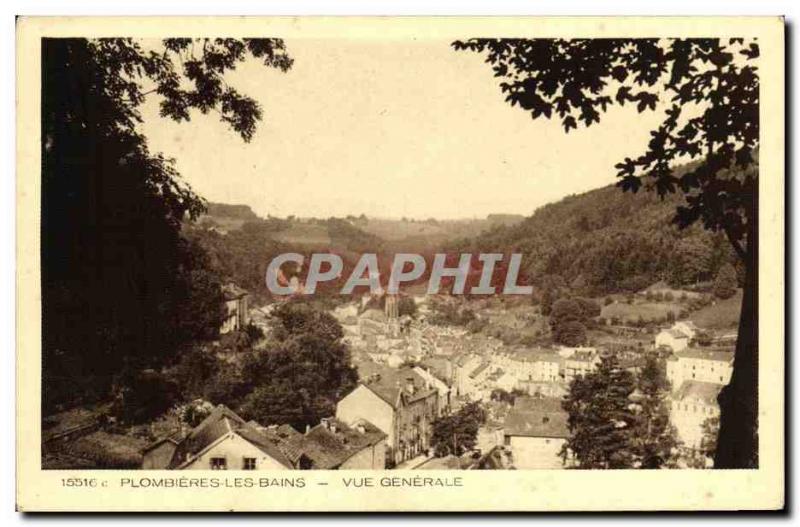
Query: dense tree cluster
{"points": [[302, 371], [569, 319], [604, 242], [725, 283], [620, 420], [709, 89], [122, 291], [457, 433]]}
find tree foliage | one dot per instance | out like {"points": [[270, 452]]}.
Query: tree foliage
{"points": [[303, 370], [569, 318], [602, 422], [630, 246], [725, 282], [116, 275], [656, 437], [709, 90], [457, 433], [709, 86]]}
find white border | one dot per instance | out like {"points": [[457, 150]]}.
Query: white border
{"points": [[75, 7]]}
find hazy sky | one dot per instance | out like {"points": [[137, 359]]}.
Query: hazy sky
{"points": [[391, 128]]}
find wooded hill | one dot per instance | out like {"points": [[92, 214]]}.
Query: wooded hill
{"points": [[606, 241], [603, 241]]}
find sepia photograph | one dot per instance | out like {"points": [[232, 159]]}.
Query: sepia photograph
{"points": [[416, 256]]}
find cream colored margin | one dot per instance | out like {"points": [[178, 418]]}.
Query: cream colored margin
{"points": [[482, 490]]}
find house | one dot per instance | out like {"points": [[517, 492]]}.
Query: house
{"points": [[531, 364], [692, 404], [678, 337], [480, 373], [464, 365], [507, 381], [544, 388], [672, 339], [335, 445], [535, 431], [441, 386], [579, 364], [222, 441], [236, 312], [712, 365], [399, 402]]}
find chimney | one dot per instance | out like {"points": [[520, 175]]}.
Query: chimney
{"points": [[410, 385], [361, 428], [332, 426], [326, 423]]}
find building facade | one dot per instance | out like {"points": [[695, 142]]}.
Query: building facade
{"points": [[401, 404], [535, 432], [236, 308]]}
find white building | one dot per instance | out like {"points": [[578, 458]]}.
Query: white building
{"points": [[678, 337], [222, 441], [700, 364], [672, 339], [535, 432], [236, 311], [692, 405], [400, 403]]}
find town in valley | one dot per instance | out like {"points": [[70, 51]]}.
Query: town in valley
{"points": [[611, 183], [440, 381]]}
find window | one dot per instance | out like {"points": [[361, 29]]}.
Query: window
{"points": [[249, 463], [218, 463]]}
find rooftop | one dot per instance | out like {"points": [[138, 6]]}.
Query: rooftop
{"points": [[332, 442], [531, 423], [714, 354], [389, 383], [220, 422]]}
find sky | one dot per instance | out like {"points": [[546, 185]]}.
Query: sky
{"points": [[390, 128]]}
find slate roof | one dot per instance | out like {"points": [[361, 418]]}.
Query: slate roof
{"points": [[388, 383], [175, 438], [715, 354], [535, 355], [264, 443], [328, 449], [534, 417], [539, 404], [220, 422], [703, 391]]}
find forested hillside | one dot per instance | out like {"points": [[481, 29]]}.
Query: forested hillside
{"points": [[608, 241], [603, 241], [241, 252]]}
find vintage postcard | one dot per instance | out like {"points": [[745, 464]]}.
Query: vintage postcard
{"points": [[400, 264]]}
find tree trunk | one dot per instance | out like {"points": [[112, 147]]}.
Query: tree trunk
{"points": [[737, 443]]}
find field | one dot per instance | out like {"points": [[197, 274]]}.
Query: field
{"points": [[646, 310], [723, 314], [305, 234]]}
